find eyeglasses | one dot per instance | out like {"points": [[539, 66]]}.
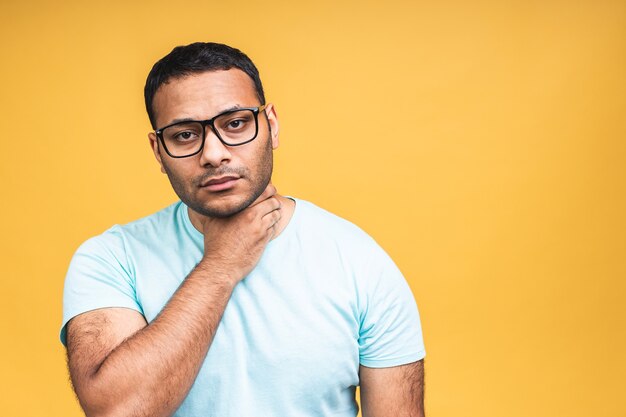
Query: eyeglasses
{"points": [[233, 128]]}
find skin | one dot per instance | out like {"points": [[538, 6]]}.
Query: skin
{"points": [[119, 364], [200, 97], [393, 392]]}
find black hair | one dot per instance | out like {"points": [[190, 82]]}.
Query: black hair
{"points": [[197, 58]]}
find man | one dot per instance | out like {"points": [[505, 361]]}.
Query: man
{"points": [[235, 301]]}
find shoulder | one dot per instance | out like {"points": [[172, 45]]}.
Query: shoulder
{"points": [[116, 238], [312, 216], [333, 230], [162, 222]]}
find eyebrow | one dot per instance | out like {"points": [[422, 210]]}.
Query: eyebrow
{"points": [[189, 119]]}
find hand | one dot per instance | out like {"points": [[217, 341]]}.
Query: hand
{"points": [[234, 245]]}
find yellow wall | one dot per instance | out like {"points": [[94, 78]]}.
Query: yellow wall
{"points": [[481, 143]]}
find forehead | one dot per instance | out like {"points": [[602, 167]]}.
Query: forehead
{"points": [[203, 95]]}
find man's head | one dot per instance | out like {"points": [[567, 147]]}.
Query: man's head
{"points": [[197, 83], [194, 59]]}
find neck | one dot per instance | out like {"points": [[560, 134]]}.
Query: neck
{"points": [[287, 208]]}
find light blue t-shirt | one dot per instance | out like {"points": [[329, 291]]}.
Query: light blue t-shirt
{"points": [[323, 299]]}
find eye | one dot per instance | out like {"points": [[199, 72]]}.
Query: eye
{"points": [[186, 135], [183, 132], [235, 124]]}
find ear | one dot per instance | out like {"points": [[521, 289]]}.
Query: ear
{"points": [[272, 119], [154, 145]]}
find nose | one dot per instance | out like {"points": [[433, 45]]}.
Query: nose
{"points": [[214, 152]]}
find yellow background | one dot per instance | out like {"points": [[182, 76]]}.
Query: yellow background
{"points": [[481, 144]]}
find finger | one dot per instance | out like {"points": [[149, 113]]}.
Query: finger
{"points": [[272, 218], [264, 207], [272, 231]]}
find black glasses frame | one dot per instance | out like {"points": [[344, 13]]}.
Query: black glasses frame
{"points": [[210, 122]]}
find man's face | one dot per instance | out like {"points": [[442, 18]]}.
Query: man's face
{"points": [[221, 180]]}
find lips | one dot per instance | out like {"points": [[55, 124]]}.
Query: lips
{"points": [[220, 180], [221, 183]]}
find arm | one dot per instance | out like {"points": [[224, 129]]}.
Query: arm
{"points": [[393, 392], [122, 366]]}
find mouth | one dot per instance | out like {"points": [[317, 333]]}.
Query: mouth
{"points": [[221, 183]]}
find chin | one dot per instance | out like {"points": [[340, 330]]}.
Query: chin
{"points": [[221, 209], [220, 212]]}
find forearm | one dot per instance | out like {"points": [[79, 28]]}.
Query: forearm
{"points": [[151, 372], [122, 366]]}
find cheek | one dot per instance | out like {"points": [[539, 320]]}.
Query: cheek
{"points": [[260, 161], [177, 176]]}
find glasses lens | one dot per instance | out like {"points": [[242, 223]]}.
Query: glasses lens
{"points": [[236, 127], [183, 139]]}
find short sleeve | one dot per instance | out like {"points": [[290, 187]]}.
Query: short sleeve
{"points": [[98, 277], [390, 329]]}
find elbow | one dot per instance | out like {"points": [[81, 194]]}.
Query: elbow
{"points": [[97, 408], [96, 403], [106, 410]]}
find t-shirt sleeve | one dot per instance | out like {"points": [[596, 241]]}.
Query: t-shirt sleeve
{"points": [[390, 330], [98, 277]]}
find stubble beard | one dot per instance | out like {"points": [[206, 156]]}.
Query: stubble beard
{"points": [[204, 208]]}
